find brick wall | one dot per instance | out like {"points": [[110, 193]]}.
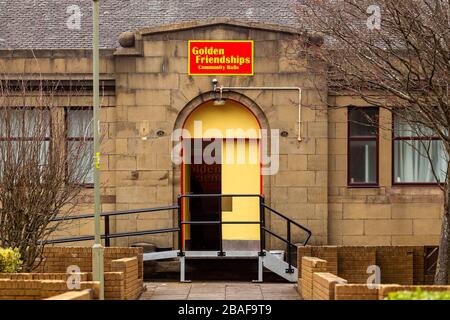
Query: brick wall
{"points": [[38, 289], [316, 284], [80, 295], [123, 270], [328, 253], [114, 286], [50, 288], [355, 292], [57, 259], [353, 263], [132, 283], [399, 264], [44, 276], [396, 264], [310, 265], [418, 265], [324, 285]]}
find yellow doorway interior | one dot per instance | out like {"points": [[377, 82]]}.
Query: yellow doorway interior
{"points": [[239, 132]]}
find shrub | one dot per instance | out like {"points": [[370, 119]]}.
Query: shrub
{"points": [[419, 294], [10, 260]]}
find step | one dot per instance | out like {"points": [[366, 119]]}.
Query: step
{"points": [[278, 266], [151, 256], [270, 260]]}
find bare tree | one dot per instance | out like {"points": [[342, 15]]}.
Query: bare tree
{"points": [[42, 170], [395, 55]]}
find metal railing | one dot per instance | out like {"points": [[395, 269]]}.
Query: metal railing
{"points": [[107, 235], [181, 222]]}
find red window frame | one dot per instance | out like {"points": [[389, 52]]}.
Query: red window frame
{"points": [[70, 138], [408, 138], [21, 138], [351, 138]]}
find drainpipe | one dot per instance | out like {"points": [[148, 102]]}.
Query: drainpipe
{"points": [[299, 121]]}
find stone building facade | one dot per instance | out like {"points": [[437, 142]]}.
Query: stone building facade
{"points": [[149, 94]]}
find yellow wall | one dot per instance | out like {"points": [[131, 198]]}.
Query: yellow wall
{"points": [[217, 119], [241, 179], [186, 189]]}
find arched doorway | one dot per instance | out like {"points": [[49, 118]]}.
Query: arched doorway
{"points": [[221, 155]]}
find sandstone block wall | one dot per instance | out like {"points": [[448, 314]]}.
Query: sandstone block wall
{"points": [[385, 215], [153, 94]]}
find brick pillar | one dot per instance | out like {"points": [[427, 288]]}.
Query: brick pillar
{"points": [[310, 265], [129, 267], [324, 285]]}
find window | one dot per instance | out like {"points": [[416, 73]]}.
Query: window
{"points": [[25, 136], [412, 145], [79, 148], [363, 146]]}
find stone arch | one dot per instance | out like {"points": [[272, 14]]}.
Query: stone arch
{"points": [[201, 99], [207, 96]]}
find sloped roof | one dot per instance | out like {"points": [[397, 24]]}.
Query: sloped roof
{"points": [[42, 24]]}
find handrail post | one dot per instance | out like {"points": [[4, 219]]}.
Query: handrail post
{"points": [[180, 227], [107, 232], [220, 253], [262, 234], [289, 255]]}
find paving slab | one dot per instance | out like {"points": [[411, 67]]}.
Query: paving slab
{"points": [[220, 291]]}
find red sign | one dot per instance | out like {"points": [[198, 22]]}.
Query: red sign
{"points": [[222, 57]]}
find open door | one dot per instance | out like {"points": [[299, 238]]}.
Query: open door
{"points": [[204, 179], [238, 171]]}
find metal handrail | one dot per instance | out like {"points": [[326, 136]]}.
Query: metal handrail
{"points": [[107, 236], [289, 244], [290, 220], [263, 229], [116, 213]]}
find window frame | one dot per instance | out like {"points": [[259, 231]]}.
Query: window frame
{"points": [[375, 138], [67, 139], [48, 138], [50, 123], [408, 138]]}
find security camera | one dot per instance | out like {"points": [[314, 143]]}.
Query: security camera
{"points": [[215, 81]]}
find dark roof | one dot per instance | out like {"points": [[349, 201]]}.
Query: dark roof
{"points": [[41, 24]]}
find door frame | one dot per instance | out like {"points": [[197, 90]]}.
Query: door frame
{"points": [[204, 99], [182, 180]]}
